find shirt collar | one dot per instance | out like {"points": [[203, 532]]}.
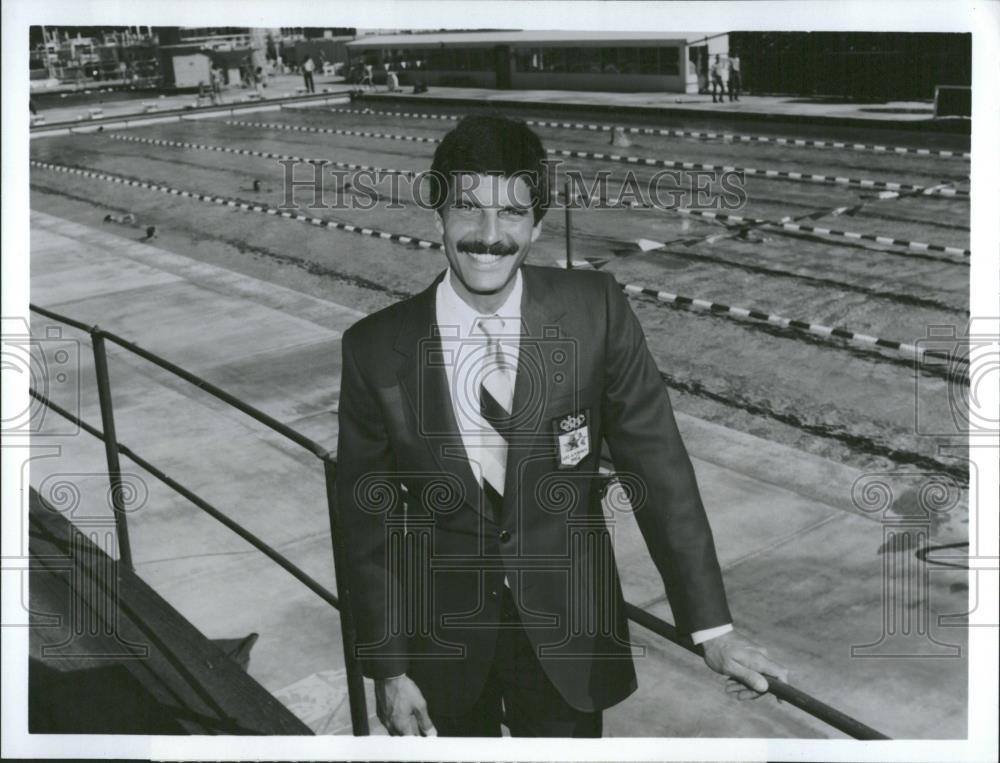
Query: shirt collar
{"points": [[453, 309]]}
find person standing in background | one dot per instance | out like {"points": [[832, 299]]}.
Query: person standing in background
{"points": [[718, 80], [368, 77], [734, 78], [215, 78], [308, 67]]}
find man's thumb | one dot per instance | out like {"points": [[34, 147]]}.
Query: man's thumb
{"points": [[425, 722]]}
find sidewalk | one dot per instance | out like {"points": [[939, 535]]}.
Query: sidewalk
{"points": [[780, 109], [804, 567], [281, 86]]}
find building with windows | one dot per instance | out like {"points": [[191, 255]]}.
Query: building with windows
{"points": [[548, 60]]}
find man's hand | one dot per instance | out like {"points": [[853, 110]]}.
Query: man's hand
{"points": [[743, 661], [401, 707]]}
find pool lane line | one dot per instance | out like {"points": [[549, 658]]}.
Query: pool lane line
{"points": [[623, 159], [665, 132], [260, 154], [753, 222], [740, 314], [746, 222], [903, 298]]}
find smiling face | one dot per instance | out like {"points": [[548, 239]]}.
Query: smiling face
{"points": [[487, 227]]}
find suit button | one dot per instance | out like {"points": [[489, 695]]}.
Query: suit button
{"points": [[493, 594], [504, 536]]}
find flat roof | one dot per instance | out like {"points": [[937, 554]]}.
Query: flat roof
{"points": [[433, 39]]}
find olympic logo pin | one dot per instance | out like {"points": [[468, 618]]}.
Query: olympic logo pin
{"points": [[572, 438]]}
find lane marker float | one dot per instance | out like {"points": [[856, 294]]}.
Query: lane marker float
{"points": [[589, 262], [262, 154], [633, 160], [690, 134], [916, 246], [746, 221], [740, 314]]}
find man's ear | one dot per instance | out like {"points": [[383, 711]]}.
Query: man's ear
{"points": [[536, 231], [439, 222]]}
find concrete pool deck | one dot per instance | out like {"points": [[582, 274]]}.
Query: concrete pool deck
{"points": [[805, 566]]}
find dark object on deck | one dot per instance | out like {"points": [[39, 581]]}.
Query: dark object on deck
{"points": [[256, 185], [952, 101], [420, 87], [238, 649], [126, 219], [109, 655], [150, 232]]}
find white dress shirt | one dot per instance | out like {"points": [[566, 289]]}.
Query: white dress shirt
{"points": [[461, 342]]}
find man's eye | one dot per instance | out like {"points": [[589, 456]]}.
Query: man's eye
{"points": [[514, 212], [463, 205]]}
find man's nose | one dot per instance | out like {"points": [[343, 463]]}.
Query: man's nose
{"points": [[489, 229]]}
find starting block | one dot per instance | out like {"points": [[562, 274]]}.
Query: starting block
{"points": [[148, 106], [95, 112]]}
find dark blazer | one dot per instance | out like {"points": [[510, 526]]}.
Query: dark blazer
{"points": [[426, 559]]}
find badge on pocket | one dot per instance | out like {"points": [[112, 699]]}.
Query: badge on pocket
{"points": [[572, 434]]}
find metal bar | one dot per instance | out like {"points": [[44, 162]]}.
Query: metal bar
{"points": [[111, 447], [61, 318], [805, 702], [202, 504], [311, 445], [569, 231], [355, 679], [299, 439]]}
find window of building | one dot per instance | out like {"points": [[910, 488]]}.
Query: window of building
{"points": [[609, 61], [480, 59], [524, 59], [438, 59], [590, 60], [670, 61], [649, 61], [628, 60], [555, 60]]}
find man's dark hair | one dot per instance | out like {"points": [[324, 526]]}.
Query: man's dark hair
{"points": [[490, 145]]}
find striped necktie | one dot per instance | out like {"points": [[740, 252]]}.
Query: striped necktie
{"points": [[496, 401]]}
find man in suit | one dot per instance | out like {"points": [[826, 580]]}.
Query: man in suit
{"points": [[474, 511]]}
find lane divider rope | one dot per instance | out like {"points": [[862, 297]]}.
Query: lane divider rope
{"points": [[239, 204], [690, 134], [716, 308], [756, 222], [916, 246], [621, 159], [251, 152], [645, 245]]}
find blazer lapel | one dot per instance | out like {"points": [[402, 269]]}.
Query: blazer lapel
{"points": [[541, 309], [425, 383]]}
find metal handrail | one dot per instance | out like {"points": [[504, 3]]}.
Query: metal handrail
{"points": [[355, 679], [356, 696]]}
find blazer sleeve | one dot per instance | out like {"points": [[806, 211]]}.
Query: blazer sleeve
{"points": [[368, 493], [646, 446]]}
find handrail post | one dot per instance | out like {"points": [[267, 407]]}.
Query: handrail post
{"points": [[355, 680], [111, 447], [569, 231]]}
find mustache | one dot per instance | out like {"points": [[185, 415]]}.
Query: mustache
{"points": [[476, 246]]}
